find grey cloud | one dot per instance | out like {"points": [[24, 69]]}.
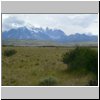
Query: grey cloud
{"points": [[85, 21], [10, 21]]}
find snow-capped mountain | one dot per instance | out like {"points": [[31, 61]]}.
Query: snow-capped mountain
{"points": [[33, 33]]}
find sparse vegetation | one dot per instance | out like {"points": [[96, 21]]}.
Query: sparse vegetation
{"points": [[49, 81], [33, 66]]}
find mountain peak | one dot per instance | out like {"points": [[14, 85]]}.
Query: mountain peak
{"points": [[34, 33]]}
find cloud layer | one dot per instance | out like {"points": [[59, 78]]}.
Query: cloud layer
{"points": [[69, 23]]}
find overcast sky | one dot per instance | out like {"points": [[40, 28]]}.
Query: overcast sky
{"points": [[69, 23]]}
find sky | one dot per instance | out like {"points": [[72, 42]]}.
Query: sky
{"points": [[69, 23]]}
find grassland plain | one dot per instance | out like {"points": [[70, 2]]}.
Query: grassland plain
{"points": [[29, 65]]}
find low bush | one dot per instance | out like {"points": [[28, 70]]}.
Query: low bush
{"points": [[82, 58], [9, 52], [49, 81]]}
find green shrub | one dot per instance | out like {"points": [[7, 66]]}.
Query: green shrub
{"points": [[93, 83], [49, 81], [82, 58], [9, 52]]}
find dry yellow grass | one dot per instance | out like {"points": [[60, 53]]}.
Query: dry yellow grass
{"points": [[31, 64]]}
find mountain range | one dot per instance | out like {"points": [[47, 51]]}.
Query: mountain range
{"points": [[57, 35]]}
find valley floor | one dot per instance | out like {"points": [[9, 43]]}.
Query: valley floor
{"points": [[29, 65]]}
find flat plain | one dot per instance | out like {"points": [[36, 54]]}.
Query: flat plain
{"points": [[29, 65]]}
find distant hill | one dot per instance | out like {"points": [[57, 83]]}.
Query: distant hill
{"points": [[40, 34], [45, 43]]}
